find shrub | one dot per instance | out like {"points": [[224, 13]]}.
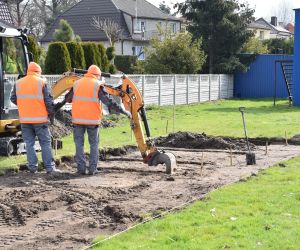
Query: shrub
{"points": [[91, 54], [34, 48], [64, 33], [110, 52], [104, 59], [58, 59], [76, 55], [112, 69], [125, 63], [177, 54]]}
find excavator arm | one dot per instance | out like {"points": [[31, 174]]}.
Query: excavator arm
{"points": [[133, 102]]}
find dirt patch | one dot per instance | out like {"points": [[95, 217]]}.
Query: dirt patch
{"points": [[59, 130], [200, 141], [38, 211], [295, 140], [107, 152]]}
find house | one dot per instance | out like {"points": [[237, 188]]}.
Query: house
{"points": [[6, 19], [277, 29], [137, 18], [261, 31]]}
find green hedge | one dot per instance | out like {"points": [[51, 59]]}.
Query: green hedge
{"points": [[110, 52], [58, 59], [92, 54], [76, 54], [112, 69], [104, 59], [125, 63], [34, 48]]}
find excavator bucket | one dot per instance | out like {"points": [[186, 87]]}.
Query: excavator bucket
{"points": [[168, 159]]}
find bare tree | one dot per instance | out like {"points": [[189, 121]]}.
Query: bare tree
{"points": [[50, 9], [37, 15], [284, 11], [111, 29], [18, 9]]}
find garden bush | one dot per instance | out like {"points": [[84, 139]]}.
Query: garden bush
{"points": [[58, 58], [125, 63], [76, 55]]}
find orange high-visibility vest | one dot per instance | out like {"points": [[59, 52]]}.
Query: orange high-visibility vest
{"points": [[30, 99], [86, 107]]}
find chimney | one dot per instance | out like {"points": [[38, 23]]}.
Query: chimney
{"points": [[274, 20]]}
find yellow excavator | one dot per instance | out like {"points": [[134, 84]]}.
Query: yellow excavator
{"points": [[133, 102], [14, 60]]}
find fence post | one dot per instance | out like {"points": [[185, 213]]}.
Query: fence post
{"points": [[199, 88], [174, 91], [174, 102], [209, 87], [219, 87], [187, 89], [159, 90]]}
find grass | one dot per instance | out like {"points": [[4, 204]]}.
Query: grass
{"points": [[262, 213], [214, 118]]}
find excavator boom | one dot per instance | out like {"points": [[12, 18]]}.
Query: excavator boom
{"points": [[133, 102]]}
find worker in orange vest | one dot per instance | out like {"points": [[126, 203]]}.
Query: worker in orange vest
{"points": [[35, 106], [87, 96]]}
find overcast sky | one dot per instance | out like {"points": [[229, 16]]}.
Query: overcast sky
{"points": [[263, 8]]}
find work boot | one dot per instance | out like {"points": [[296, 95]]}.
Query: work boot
{"points": [[95, 172], [54, 171], [80, 172]]}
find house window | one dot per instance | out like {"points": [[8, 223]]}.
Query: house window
{"points": [[140, 26], [261, 35], [139, 52], [174, 27]]}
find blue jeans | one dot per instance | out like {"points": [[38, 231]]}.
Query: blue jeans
{"points": [[41, 130], [93, 136]]}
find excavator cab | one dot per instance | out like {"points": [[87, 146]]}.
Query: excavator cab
{"points": [[13, 64]]}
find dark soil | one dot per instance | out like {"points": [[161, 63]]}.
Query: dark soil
{"points": [[67, 211], [200, 141]]}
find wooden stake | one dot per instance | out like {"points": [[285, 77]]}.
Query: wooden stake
{"points": [[173, 118], [286, 140], [230, 156], [266, 148], [167, 126]]}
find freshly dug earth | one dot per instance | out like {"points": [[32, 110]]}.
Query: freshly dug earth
{"points": [[68, 211], [63, 124], [200, 141]]}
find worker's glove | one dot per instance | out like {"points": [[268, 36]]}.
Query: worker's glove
{"points": [[128, 114]]}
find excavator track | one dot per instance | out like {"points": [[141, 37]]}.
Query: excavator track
{"points": [[10, 145]]}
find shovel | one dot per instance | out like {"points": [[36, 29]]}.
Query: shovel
{"points": [[250, 157]]}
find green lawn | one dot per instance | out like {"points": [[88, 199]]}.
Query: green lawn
{"points": [[262, 213], [214, 118]]}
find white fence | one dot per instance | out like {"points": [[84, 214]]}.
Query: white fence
{"points": [[176, 89]]}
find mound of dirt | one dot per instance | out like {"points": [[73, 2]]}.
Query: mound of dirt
{"points": [[63, 124], [295, 140], [65, 117], [200, 141], [59, 129]]}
